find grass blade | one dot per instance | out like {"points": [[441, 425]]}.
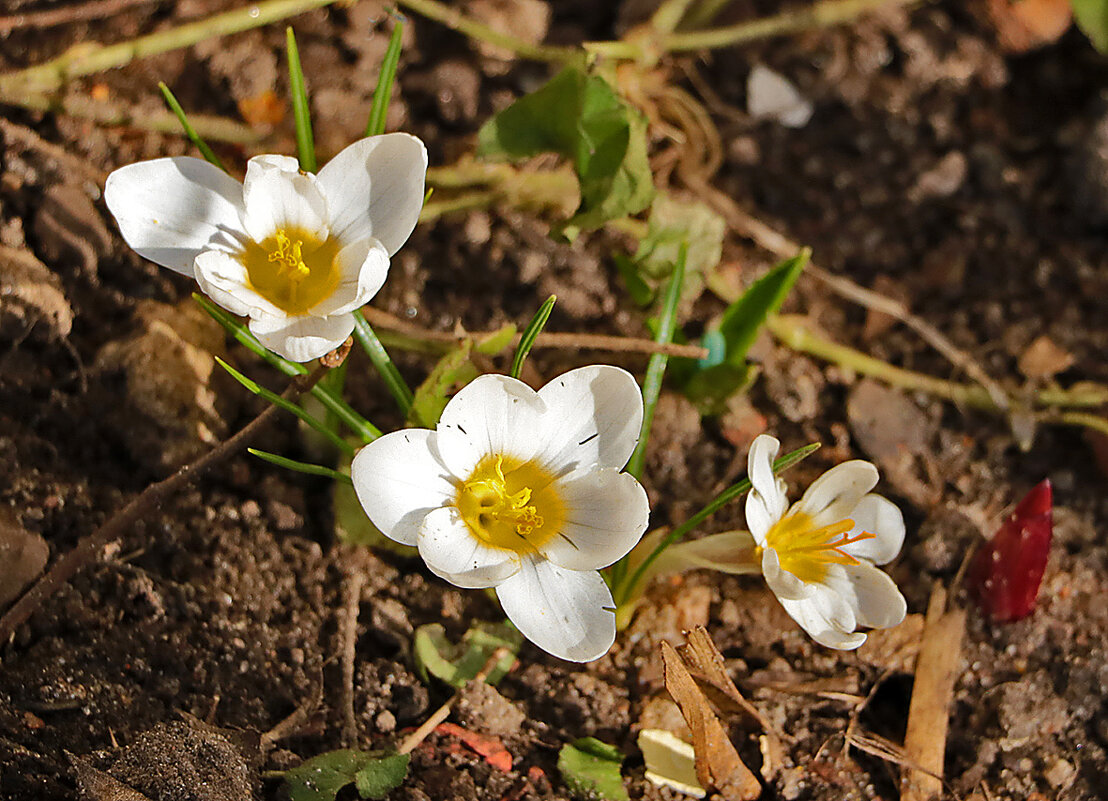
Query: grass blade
{"points": [[300, 467], [205, 151], [333, 402], [305, 143], [385, 79], [530, 334], [731, 493], [656, 368], [380, 358], [288, 406]]}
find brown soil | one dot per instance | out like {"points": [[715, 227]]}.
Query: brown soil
{"points": [[968, 182]]}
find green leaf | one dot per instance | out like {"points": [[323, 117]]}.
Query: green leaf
{"points": [[452, 370], [674, 221], [591, 770], [530, 334], [367, 338], [495, 341], [300, 467], [352, 526], [205, 151], [1092, 19], [305, 142], [743, 318], [581, 117], [436, 656], [377, 778], [322, 777], [385, 79]]}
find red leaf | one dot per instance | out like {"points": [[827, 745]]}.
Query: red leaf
{"points": [[1008, 569], [489, 747]]}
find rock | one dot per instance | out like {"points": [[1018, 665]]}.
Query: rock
{"points": [[29, 293], [67, 224], [23, 555], [770, 95]]}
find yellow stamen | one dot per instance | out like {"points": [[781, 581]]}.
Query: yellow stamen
{"points": [[510, 504], [292, 269], [805, 550]]}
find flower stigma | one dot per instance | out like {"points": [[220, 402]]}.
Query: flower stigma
{"points": [[806, 550], [292, 269], [509, 504]]}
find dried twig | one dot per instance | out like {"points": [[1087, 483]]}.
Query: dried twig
{"points": [[291, 724], [929, 711], [97, 9], [87, 549], [348, 628]]}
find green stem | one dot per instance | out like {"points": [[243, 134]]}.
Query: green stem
{"points": [[457, 21], [818, 15], [85, 59], [624, 592], [380, 358]]}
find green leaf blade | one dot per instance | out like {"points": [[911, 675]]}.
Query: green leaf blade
{"points": [[744, 318], [530, 334], [590, 769], [379, 110], [301, 111]]}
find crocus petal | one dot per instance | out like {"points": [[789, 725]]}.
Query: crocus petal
{"points": [[363, 267], [453, 553], [375, 188], [606, 514], [729, 552], [766, 502], [567, 613], [278, 195], [811, 614], [834, 495], [304, 338], [169, 210], [222, 277], [872, 595], [491, 414], [399, 480], [880, 516], [593, 418], [784, 584]]}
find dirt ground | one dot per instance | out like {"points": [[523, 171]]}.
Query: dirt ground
{"points": [[967, 181]]}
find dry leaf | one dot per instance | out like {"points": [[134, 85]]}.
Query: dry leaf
{"points": [[264, 109], [705, 663], [1043, 359], [717, 762], [1023, 25]]}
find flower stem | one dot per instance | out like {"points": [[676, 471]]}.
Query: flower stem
{"points": [[384, 364]]}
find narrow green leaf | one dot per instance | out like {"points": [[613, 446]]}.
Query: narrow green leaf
{"points": [[300, 467], [1092, 19], [624, 590], [352, 526], [288, 406], [301, 111], [380, 358], [436, 656], [656, 367], [431, 397], [205, 151], [386, 78], [591, 770], [743, 318], [495, 341], [530, 333], [382, 775], [342, 410], [637, 288]]}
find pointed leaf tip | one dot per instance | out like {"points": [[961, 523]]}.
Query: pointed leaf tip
{"points": [[1006, 572]]}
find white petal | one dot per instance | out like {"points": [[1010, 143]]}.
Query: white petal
{"points": [[567, 613], [872, 595], [223, 278], [877, 515], [363, 267], [811, 614], [303, 338], [606, 514], [375, 188], [729, 552], [399, 480], [169, 210], [278, 195], [766, 502], [453, 553], [834, 495], [784, 584], [491, 414], [593, 418]]}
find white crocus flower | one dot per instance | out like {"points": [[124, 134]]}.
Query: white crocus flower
{"points": [[297, 253], [819, 555], [522, 491]]}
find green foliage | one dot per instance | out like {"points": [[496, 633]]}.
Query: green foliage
{"points": [[530, 334], [591, 770], [387, 77], [352, 526], [367, 338], [456, 664], [674, 222], [205, 151], [373, 773], [300, 467], [581, 117], [1092, 19], [305, 142]]}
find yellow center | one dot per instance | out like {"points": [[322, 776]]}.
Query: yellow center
{"points": [[805, 550], [292, 269], [510, 504]]}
